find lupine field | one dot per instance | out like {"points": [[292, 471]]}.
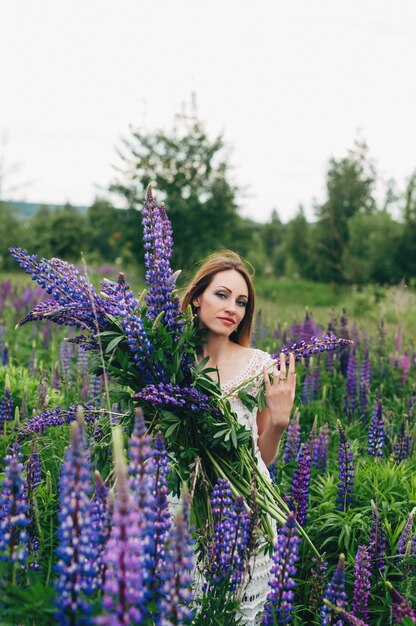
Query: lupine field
{"points": [[86, 534]]}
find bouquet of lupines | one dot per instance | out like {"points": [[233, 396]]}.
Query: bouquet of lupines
{"points": [[151, 348]]}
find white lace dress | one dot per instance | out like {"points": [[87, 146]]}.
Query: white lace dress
{"points": [[255, 592]]}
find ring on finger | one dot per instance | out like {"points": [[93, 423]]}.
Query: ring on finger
{"points": [[282, 378]]}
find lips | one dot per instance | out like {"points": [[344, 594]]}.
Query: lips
{"points": [[227, 320]]}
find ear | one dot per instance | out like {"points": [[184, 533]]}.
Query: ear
{"points": [[196, 302]]}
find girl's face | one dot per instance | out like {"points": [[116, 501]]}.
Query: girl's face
{"points": [[222, 305]]}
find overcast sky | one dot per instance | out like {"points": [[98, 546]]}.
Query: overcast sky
{"points": [[288, 83]]}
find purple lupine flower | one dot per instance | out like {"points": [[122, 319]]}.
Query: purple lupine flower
{"points": [[361, 593], [123, 590], [292, 442], [335, 594], [346, 618], [320, 448], [55, 417], [77, 538], [299, 493], [317, 377], [402, 445], [317, 584], [5, 355], [404, 365], [6, 405], [346, 471], [315, 345], [229, 545], [101, 523], [351, 384], [400, 606], [82, 362], [376, 433], [364, 384], [406, 535], [331, 330], [308, 386], [74, 301], [13, 511], [377, 543], [56, 379], [158, 246], [279, 602], [95, 387], [65, 359], [177, 586], [272, 469], [154, 532], [171, 397], [33, 479], [141, 465]]}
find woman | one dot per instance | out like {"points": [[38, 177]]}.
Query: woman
{"points": [[221, 295]]}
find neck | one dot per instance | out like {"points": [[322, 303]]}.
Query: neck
{"points": [[217, 348]]}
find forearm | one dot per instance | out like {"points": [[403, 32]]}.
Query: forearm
{"points": [[269, 441]]}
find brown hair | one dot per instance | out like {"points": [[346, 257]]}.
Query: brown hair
{"points": [[209, 267]]}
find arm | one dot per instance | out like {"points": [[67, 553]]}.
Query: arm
{"points": [[272, 421]]}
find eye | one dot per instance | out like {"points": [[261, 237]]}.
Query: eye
{"points": [[242, 303], [221, 294]]}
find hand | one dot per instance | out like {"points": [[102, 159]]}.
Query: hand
{"points": [[280, 394]]}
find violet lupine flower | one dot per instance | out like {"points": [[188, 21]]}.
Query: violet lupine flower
{"points": [[33, 479], [279, 602], [141, 465], [403, 444], [335, 594], [317, 377], [346, 471], [292, 442], [299, 493], [6, 405], [346, 618], [308, 387], [404, 365], [82, 362], [95, 389], [171, 397], [123, 590], [351, 384], [376, 433], [154, 532], [74, 301], [406, 535], [158, 246], [102, 524], [320, 448], [331, 330], [400, 607], [229, 545], [315, 345], [364, 384], [77, 538], [177, 586], [377, 543], [5, 355], [362, 574], [65, 360], [13, 511], [55, 417], [317, 585]]}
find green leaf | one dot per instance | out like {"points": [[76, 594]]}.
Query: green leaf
{"points": [[113, 343]]}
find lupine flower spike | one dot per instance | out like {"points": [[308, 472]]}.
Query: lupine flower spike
{"points": [[279, 603], [335, 595], [376, 433], [351, 384], [377, 543], [361, 593], [346, 471], [77, 537], [400, 606], [299, 495], [6, 405], [364, 385], [346, 618], [292, 442]]}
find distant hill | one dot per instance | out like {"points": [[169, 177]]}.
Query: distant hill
{"points": [[26, 210]]}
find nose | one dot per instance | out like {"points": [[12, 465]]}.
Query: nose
{"points": [[230, 306]]}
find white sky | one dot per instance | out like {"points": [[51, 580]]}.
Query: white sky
{"points": [[289, 84]]}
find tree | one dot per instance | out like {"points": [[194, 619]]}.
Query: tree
{"points": [[350, 183], [189, 172], [299, 246], [407, 259], [69, 234], [10, 235]]}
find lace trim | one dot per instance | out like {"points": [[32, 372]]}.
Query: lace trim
{"points": [[257, 360]]}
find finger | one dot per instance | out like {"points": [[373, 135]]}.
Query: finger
{"points": [[282, 365], [291, 364], [266, 377]]}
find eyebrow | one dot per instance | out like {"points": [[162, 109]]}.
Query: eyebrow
{"points": [[242, 295]]}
